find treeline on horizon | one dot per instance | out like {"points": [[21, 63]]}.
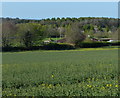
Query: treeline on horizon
{"points": [[29, 33]]}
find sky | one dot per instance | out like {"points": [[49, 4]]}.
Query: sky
{"points": [[43, 10]]}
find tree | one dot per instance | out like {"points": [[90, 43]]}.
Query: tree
{"points": [[115, 35], [51, 31], [8, 33], [74, 34], [27, 39], [61, 31], [0, 33], [30, 34]]}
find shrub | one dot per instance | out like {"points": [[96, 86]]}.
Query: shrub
{"points": [[96, 44], [55, 46]]}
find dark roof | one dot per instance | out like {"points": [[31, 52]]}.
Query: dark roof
{"points": [[61, 40]]}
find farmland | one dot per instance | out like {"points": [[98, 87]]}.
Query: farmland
{"points": [[86, 72]]}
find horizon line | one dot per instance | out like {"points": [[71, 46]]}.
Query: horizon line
{"points": [[61, 17]]}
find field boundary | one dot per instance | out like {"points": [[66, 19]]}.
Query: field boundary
{"points": [[75, 50]]}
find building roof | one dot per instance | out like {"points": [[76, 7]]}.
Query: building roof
{"points": [[61, 40]]}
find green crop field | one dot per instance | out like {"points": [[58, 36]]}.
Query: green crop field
{"points": [[89, 72]]}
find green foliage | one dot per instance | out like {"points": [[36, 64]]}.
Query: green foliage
{"points": [[61, 73], [55, 46], [96, 44], [30, 33], [27, 39], [88, 27], [75, 29]]}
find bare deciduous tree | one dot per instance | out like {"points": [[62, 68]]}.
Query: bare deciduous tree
{"points": [[74, 34], [8, 33]]}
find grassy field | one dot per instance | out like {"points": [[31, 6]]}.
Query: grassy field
{"points": [[86, 72]]}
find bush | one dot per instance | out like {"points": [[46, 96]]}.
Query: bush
{"points": [[55, 46], [51, 46], [15, 49], [96, 44]]}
